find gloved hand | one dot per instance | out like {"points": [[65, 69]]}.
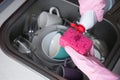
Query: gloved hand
{"points": [[91, 11], [90, 66], [96, 5]]}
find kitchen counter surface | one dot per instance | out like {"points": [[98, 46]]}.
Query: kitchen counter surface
{"points": [[11, 69]]}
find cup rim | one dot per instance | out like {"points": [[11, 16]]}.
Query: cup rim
{"points": [[59, 35], [42, 43]]}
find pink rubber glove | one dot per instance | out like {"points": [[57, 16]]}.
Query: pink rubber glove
{"points": [[96, 5], [91, 66]]}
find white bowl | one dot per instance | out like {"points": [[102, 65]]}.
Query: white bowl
{"points": [[47, 41]]}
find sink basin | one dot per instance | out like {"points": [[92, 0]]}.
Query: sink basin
{"points": [[105, 37], [105, 30]]}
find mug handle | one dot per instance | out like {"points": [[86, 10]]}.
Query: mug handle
{"points": [[52, 9], [65, 62]]}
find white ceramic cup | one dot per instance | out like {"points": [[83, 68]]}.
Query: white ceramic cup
{"points": [[54, 45], [47, 41], [49, 18], [55, 50]]}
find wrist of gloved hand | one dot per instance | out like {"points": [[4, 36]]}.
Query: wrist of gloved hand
{"points": [[90, 66], [102, 73], [96, 5], [88, 19]]}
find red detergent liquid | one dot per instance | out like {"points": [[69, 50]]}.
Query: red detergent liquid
{"points": [[76, 40]]}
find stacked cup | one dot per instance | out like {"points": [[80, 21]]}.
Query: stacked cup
{"points": [[47, 45], [50, 43], [51, 46]]}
